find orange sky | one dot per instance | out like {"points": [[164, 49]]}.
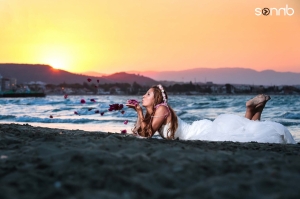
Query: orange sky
{"points": [[109, 36]]}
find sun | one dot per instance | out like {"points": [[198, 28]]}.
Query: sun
{"points": [[57, 57], [57, 63], [61, 56]]}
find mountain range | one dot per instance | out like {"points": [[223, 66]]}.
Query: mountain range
{"points": [[45, 73], [25, 73], [226, 75]]}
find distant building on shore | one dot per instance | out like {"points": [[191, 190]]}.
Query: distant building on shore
{"points": [[7, 84]]}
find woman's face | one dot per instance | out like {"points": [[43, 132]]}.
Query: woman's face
{"points": [[148, 98]]}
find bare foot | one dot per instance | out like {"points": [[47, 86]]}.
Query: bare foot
{"points": [[257, 101], [267, 97]]}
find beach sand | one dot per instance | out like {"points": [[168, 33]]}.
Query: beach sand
{"points": [[49, 163]]}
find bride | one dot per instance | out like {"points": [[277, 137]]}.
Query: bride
{"points": [[161, 117]]}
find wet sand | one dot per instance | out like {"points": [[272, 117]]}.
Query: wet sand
{"points": [[38, 162]]}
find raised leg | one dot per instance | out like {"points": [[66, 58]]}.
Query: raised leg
{"points": [[258, 112], [250, 112]]}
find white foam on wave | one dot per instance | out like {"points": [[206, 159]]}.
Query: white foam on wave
{"points": [[56, 120]]}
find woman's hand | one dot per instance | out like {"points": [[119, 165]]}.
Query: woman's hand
{"points": [[136, 107]]}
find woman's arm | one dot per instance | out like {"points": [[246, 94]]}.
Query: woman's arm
{"points": [[140, 119], [157, 120]]}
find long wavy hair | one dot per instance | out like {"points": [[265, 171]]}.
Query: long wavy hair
{"points": [[158, 99]]}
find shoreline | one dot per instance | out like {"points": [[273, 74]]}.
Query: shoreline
{"points": [[40, 162], [183, 94]]}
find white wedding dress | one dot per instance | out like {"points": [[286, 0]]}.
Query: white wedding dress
{"points": [[229, 127]]}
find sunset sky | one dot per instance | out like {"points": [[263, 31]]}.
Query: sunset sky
{"points": [[109, 36]]}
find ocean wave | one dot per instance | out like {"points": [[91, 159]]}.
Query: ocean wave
{"points": [[189, 118], [63, 109], [7, 117], [57, 120], [180, 113], [203, 105], [220, 105], [213, 99], [200, 103], [289, 115], [5, 101], [51, 102], [196, 106], [288, 123]]}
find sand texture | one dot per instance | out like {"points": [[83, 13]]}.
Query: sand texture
{"points": [[49, 163]]}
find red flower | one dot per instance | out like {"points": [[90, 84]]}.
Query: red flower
{"points": [[126, 121], [92, 100], [122, 112], [82, 101], [65, 96], [115, 107], [123, 131], [51, 116], [133, 101], [89, 79]]}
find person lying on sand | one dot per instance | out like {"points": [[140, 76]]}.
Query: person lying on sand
{"points": [[161, 118]]}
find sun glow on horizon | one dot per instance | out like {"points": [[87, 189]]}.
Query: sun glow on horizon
{"points": [[56, 60], [59, 56], [57, 64]]}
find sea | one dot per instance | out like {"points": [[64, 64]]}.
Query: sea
{"points": [[90, 113]]}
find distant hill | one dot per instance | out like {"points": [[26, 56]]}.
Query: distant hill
{"points": [[45, 73], [130, 78], [227, 75], [92, 73], [124, 77]]}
